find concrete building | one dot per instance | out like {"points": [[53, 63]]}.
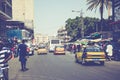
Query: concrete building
{"points": [[116, 19], [39, 38], [23, 10], [5, 14], [62, 35]]}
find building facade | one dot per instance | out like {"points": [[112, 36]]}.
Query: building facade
{"points": [[116, 19], [24, 11], [62, 35], [116, 10], [39, 38], [5, 14]]}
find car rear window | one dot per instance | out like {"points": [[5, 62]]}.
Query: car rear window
{"points": [[59, 46], [41, 47], [93, 49]]}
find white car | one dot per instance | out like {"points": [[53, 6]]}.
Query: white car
{"points": [[30, 49]]}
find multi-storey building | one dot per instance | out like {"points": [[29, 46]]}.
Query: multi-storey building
{"points": [[116, 19], [39, 38], [5, 14], [62, 35], [23, 11]]}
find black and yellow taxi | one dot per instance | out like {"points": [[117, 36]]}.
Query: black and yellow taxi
{"points": [[90, 54]]}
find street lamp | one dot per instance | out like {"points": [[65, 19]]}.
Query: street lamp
{"points": [[82, 28]]}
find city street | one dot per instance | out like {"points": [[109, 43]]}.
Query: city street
{"points": [[62, 67]]}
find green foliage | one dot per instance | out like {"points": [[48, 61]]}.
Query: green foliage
{"points": [[73, 26], [101, 4]]}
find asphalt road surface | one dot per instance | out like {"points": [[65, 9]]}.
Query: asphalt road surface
{"points": [[62, 67]]}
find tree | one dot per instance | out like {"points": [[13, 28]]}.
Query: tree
{"points": [[94, 4], [73, 26]]}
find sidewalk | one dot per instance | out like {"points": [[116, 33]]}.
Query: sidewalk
{"points": [[15, 73]]}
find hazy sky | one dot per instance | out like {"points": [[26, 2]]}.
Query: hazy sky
{"points": [[50, 15]]}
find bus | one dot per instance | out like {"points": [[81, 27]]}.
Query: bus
{"points": [[53, 43]]}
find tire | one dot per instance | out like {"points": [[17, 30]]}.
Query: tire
{"points": [[76, 60], [102, 62]]}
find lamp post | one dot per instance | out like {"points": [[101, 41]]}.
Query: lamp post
{"points": [[82, 24]]}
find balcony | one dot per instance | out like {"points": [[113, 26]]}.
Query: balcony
{"points": [[5, 10]]}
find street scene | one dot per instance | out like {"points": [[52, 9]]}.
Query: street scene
{"points": [[59, 40], [63, 67]]}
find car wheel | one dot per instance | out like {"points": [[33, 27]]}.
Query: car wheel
{"points": [[32, 52], [116, 58], [102, 62], [76, 60]]}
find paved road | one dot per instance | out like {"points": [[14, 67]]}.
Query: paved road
{"points": [[63, 67]]}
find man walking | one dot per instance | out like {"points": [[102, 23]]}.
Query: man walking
{"points": [[5, 56], [109, 50], [22, 49]]}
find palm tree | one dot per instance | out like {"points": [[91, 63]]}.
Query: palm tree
{"points": [[94, 4]]}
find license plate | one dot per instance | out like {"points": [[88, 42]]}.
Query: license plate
{"points": [[95, 59]]}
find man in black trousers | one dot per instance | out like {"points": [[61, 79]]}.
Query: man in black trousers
{"points": [[22, 50]]}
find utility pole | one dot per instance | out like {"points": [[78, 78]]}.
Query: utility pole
{"points": [[82, 22]]}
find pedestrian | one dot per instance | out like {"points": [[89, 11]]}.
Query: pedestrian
{"points": [[78, 47], [109, 50], [22, 50], [5, 56]]}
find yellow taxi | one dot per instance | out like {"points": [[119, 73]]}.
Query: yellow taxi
{"points": [[90, 54], [59, 49], [42, 50]]}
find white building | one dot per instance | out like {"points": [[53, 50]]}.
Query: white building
{"points": [[62, 35], [39, 38]]}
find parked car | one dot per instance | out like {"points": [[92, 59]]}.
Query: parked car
{"points": [[90, 54], [30, 49], [42, 50], [59, 49]]}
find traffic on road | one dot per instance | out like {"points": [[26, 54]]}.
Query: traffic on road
{"points": [[63, 67]]}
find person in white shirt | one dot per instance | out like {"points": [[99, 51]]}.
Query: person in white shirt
{"points": [[109, 50]]}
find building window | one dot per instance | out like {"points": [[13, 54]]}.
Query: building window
{"points": [[3, 7]]}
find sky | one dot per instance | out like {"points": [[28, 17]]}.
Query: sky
{"points": [[50, 15]]}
